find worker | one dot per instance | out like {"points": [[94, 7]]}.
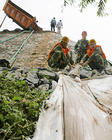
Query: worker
{"points": [[81, 47], [59, 26], [59, 56], [95, 57], [53, 24]]}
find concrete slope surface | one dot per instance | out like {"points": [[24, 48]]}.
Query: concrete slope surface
{"points": [[35, 51]]}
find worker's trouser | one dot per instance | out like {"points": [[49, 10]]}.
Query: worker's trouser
{"points": [[53, 28], [97, 62], [58, 60], [59, 30]]}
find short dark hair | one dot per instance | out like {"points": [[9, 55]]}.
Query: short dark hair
{"points": [[84, 32]]}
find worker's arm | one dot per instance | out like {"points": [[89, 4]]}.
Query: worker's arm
{"points": [[76, 46], [96, 51], [71, 62], [56, 49], [70, 59], [84, 60], [89, 59]]}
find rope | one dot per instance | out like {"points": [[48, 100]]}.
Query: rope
{"points": [[12, 59], [109, 62], [13, 37], [3, 21]]}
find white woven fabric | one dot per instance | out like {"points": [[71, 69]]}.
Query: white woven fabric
{"points": [[77, 111]]}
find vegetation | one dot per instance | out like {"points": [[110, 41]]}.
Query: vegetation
{"points": [[19, 108], [84, 3]]}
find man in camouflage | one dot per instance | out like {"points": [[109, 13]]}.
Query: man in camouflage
{"points": [[95, 57], [59, 55], [81, 47]]}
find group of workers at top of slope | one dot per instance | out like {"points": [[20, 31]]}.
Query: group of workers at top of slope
{"points": [[58, 25], [86, 52]]}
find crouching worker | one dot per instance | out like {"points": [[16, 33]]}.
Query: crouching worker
{"points": [[59, 56], [95, 57]]}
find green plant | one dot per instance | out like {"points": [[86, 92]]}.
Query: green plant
{"points": [[100, 4], [20, 106]]}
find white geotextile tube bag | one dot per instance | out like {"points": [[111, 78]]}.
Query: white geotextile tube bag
{"points": [[73, 112], [102, 89], [50, 124]]}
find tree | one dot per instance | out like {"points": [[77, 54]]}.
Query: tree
{"points": [[84, 3]]}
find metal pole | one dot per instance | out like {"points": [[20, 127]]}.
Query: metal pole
{"points": [[3, 21]]}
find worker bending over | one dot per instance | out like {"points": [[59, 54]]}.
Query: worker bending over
{"points": [[59, 56], [95, 57]]}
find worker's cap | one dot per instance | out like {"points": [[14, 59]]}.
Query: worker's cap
{"points": [[92, 41], [84, 32], [65, 39]]}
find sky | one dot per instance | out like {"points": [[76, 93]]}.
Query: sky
{"points": [[74, 22]]}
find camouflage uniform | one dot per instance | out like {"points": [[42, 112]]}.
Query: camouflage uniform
{"points": [[80, 49], [96, 60], [58, 59]]}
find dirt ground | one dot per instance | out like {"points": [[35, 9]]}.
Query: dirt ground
{"points": [[39, 54]]}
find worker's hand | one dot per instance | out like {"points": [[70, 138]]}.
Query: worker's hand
{"points": [[70, 66], [81, 63], [84, 64]]}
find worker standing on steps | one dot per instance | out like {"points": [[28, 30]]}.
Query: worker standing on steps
{"points": [[53, 24], [81, 47], [59, 56], [59, 26], [95, 57]]}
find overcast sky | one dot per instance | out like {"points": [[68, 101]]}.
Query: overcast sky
{"points": [[99, 28]]}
